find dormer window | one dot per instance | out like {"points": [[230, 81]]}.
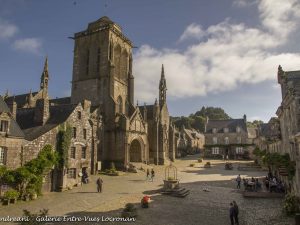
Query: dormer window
{"points": [[238, 129], [3, 125], [215, 140], [214, 130], [225, 130]]}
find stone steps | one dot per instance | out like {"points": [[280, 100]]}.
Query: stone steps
{"points": [[178, 192]]}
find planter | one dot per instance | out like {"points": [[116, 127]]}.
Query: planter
{"points": [[26, 198], [6, 201], [13, 200]]}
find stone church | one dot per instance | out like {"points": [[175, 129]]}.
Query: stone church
{"points": [[106, 124], [102, 74]]}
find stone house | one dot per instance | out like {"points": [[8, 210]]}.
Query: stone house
{"points": [[226, 138], [41, 119], [289, 116], [11, 138], [190, 141]]}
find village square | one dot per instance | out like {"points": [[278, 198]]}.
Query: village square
{"points": [[100, 156]]}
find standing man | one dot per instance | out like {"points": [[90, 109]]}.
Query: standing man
{"points": [[148, 174], [236, 212], [238, 180], [231, 213], [152, 174], [99, 185]]}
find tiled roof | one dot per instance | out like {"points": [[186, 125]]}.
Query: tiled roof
{"points": [[231, 124], [14, 129]]}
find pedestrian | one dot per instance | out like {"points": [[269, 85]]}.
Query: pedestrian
{"points": [[236, 214], [238, 181], [99, 184], [231, 213], [148, 174], [152, 174]]}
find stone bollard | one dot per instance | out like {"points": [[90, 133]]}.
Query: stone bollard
{"points": [[297, 219]]}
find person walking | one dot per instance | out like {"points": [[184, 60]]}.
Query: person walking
{"points": [[99, 184], [238, 181], [231, 213], [152, 174], [148, 174], [236, 213]]}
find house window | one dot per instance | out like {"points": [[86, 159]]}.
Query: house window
{"points": [[215, 140], [214, 130], [84, 133], [83, 152], [226, 140], [79, 115], [225, 130], [3, 126], [238, 129], [72, 173], [239, 140], [2, 156], [239, 150], [73, 152], [215, 151], [74, 132]]}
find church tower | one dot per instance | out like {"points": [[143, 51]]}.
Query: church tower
{"points": [[162, 88], [102, 68]]}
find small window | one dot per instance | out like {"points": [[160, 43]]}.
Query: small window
{"points": [[73, 152], [214, 130], [215, 150], [79, 115], [83, 152], [215, 140], [74, 132], [84, 133], [238, 129], [226, 140], [225, 130], [72, 173], [2, 156], [239, 140], [239, 150], [3, 126]]}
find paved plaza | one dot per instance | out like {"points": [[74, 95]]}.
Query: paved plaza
{"points": [[200, 207]]}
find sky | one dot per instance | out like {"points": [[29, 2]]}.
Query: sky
{"points": [[215, 53]]}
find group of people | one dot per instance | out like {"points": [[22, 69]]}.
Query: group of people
{"points": [[150, 176], [234, 213], [252, 184], [274, 184]]}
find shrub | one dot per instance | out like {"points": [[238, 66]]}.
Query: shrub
{"points": [[32, 217], [11, 194], [192, 165], [200, 160], [291, 204]]}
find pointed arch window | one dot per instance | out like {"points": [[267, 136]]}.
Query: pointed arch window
{"points": [[119, 108]]}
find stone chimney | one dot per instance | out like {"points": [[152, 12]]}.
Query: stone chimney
{"points": [[41, 111], [206, 122], [13, 108]]}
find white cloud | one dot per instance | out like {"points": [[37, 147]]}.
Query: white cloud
{"points": [[7, 30], [32, 45], [231, 54], [193, 31]]}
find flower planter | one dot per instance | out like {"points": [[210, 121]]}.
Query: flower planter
{"points": [[33, 196], [6, 201]]}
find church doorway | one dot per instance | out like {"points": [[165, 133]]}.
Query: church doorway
{"points": [[135, 152]]}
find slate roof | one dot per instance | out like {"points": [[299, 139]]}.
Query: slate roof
{"points": [[192, 134], [14, 129], [231, 124], [60, 101], [58, 115], [149, 109], [268, 130], [21, 100]]}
